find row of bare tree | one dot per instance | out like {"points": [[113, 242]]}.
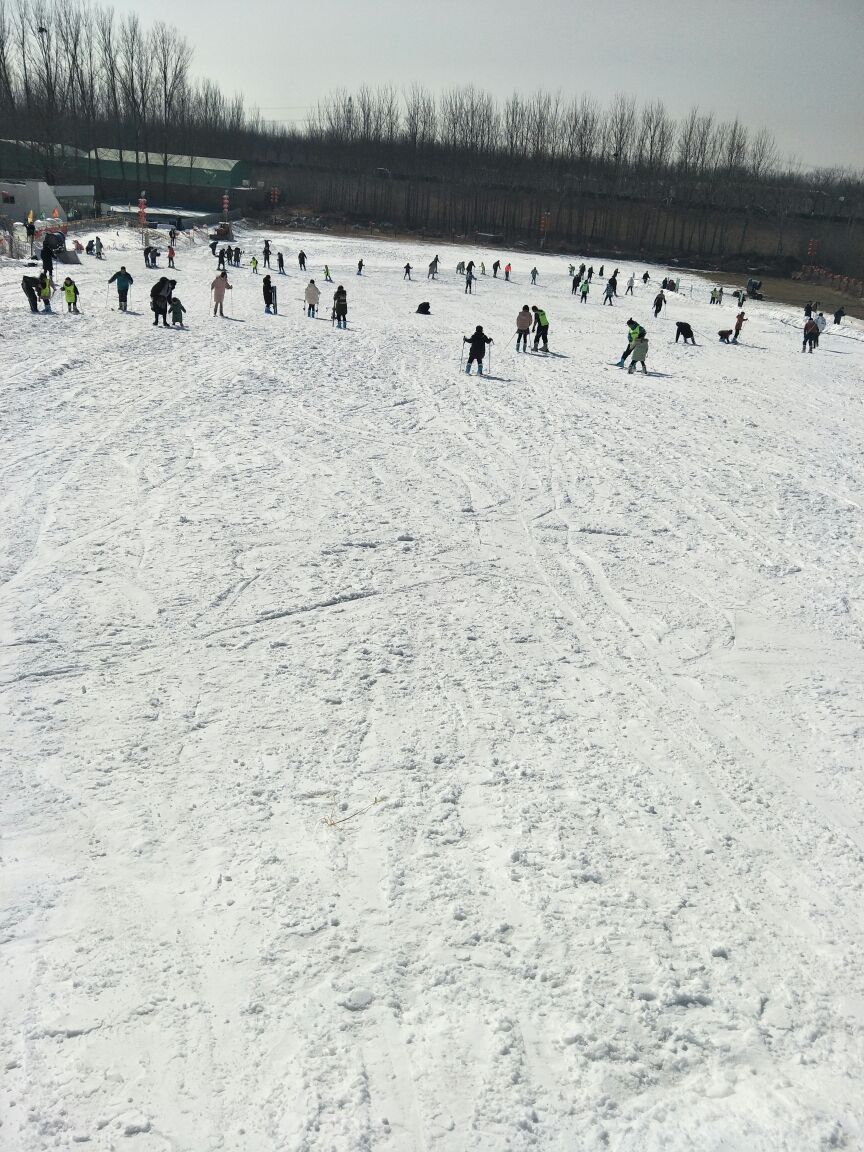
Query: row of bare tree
{"points": [[85, 79]]}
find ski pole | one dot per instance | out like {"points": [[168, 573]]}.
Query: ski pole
{"points": [[461, 354], [490, 357]]}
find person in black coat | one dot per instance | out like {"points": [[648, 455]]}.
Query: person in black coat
{"points": [[267, 289], [160, 298], [301, 259], [682, 328], [30, 285], [476, 348]]}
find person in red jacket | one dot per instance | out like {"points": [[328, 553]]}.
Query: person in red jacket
{"points": [[740, 321], [170, 255]]}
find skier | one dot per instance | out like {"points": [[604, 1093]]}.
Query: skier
{"points": [[172, 235], [581, 270], [575, 286], [713, 295], [659, 301], [301, 260], [811, 335], [523, 326], [540, 329], [327, 277], [340, 306], [600, 272], [360, 267], [213, 244], [482, 268], [839, 314], [571, 271], [808, 309], [171, 254], [469, 267], [407, 275], [219, 287], [90, 249], [608, 293], [495, 268], [46, 290], [433, 269], [469, 280], [160, 298], [460, 268], [70, 294], [98, 245], [645, 277], [267, 288], [124, 282], [583, 290], [719, 294], [534, 275], [266, 253], [312, 295], [821, 324], [253, 264], [590, 273], [47, 259], [236, 257], [476, 349], [30, 286], [424, 309], [640, 351], [634, 332], [682, 328], [740, 321], [630, 284], [508, 268], [280, 263], [724, 335], [613, 280], [177, 311], [220, 263]]}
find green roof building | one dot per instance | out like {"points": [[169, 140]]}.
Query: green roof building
{"points": [[150, 167]]}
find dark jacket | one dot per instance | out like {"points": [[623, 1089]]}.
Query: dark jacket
{"points": [[477, 342], [340, 302]]}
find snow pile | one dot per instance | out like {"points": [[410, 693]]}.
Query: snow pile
{"points": [[394, 759]]}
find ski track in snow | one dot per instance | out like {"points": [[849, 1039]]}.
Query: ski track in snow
{"points": [[397, 760]]}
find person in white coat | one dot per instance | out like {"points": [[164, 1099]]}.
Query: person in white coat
{"points": [[630, 283], [312, 295]]}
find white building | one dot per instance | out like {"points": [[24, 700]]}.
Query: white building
{"points": [[20, 197]]}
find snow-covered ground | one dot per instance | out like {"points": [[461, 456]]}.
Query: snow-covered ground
{"points": [[397, 760]]}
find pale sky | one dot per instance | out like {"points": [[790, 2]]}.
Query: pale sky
{"points": [[793, 66]]}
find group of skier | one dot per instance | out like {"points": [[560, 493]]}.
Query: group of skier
{"points": [[41, 288]]}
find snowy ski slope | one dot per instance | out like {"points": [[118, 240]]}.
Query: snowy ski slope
{"points": [[396, 760]]}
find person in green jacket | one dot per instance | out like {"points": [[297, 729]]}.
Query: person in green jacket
{"points": [[635, 333], [177, 311], [70, 294], [583, 290], [124, 282], [46, 291], [540, 329]]}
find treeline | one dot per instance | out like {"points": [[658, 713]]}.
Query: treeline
{"points": [[569, 170]]}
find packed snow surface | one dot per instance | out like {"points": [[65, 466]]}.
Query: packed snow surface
{"points": [[398, 760]]}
